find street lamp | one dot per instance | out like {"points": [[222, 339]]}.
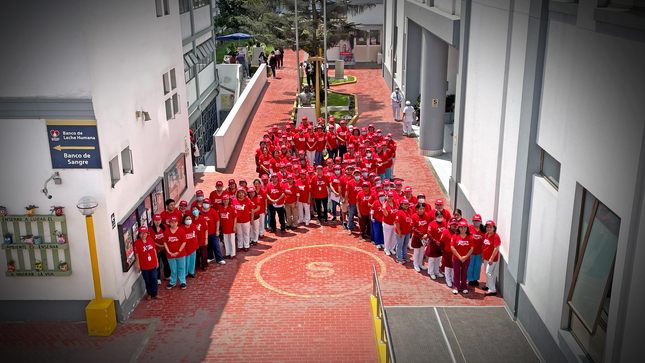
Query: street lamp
{"points": [[100, 313]]}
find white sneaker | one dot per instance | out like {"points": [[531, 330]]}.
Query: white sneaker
{"points": [[307, 223], [378, 247], [222, 262], [439, 274], [464, 291], [433, 277], [455, 291], [210, 259], [158, 282], [423, 267], [388, 252], [417, 269], [449, 285]]}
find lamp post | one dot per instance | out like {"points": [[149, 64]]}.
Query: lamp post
{"points": [[297, 48], [100, 312], [325, 61]]}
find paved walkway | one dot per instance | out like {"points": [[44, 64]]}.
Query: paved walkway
{"points": [[299, 298]]}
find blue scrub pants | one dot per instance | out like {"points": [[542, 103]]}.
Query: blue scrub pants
{"points": [[377, 232], [475, 268], [190, 263], [402, 246], [177, 269]]}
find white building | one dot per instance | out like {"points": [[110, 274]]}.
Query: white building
{"points": [[549, 142], [366, 43], [101, 62]]}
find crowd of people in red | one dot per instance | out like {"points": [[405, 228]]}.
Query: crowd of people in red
{"points": [[343, 171]]}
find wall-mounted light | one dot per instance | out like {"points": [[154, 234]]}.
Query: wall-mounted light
{"points": [[143, 116]]}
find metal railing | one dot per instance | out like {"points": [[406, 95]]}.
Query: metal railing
{"points": [[384, 337]]}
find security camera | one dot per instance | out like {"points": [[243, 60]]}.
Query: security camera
{"points": [[44, 191]]}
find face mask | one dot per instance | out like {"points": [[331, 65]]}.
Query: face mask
{"points": [[365, 174], [422, 200], [477, 223], [386, 188], [363, 133], [200, 198], [206, 205], [439, 219], [381, 199], [337, 172], [357, 178], [188, 222], [195, 212]]}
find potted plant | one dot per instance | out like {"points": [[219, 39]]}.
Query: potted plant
{"points": [[11, 266], [38, 240], [31, 210], [58, 210], [62, 266], [8, 238], [3, 211], [60, 237], [28, 239], [38, 265]]}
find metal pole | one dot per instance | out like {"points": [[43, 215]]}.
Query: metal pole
{"points": [[325, 60], [94, 259], [297, 48]]}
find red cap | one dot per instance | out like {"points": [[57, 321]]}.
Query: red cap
{"points": [[342, 122], [198, 192], [381, 194], [329, 161], [207, 201], [390, 193], [242, 180], [310, 127], [183, 202], [303, 171], [398, 182], [283, 147], [386, 182], [174, 219], [240, 189], [463, 222], [438, 201], [270, 131], [264, 176], [338, 158], [490, 223], [288, 164], [408, 189], [421, 195], [331, 119], [366, 184], [370, 125], [378, 130], [289, 176], [301, 152], [156, 217], [275, 126], [389, 134], [226, 196], [363, 128], [357, 170], [319, 167], [274, 175], [477, 217], [219, 182], [377, 178], [337, 166], [372, 174], [231, 181], [282, 165], [288, 126], [405, 201], [143, 229], [453, 221], [304, 117]]}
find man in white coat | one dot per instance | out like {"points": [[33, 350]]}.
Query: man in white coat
{"points": [[408, 117], [396, 98]]}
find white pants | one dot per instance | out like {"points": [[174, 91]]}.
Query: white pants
{"points": [[418, 256], [450, 273], [255, 229], [229, 244], [303, 212], [433, 265], [242, 230], [311, 156], [261, 225], [389, 237], [407, 127], [490, 276], [396, 112]]}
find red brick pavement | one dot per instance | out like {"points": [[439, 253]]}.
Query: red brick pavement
{"points": [[285, 300]]}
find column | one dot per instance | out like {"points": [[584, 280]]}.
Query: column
{"points": [[434, 72]]}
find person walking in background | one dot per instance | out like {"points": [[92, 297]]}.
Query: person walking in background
{"points": [[477, 230], [146, 260], [262, 59], [272, 63], [461, 245], [490, 255], [309, 69], [408, 117], [281, 57], [278, 55], [175, 242], [241, 59], [396, 99]]}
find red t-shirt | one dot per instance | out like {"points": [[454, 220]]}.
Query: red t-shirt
{"points": [[413, 202], [243, 209], [201, 226], [336, 183], [462, 245], [165, 216], [191, 238], [391, 214], [312, 141], [404, 220], [300, 141], [445, 239], [319, 186], [363, 202], [303, 189], [158, 237], [420, 224], [370, 164], [290, 193], [275, 192], [146, 252], [436, 230], [489, 244], [256, 201], [331, 140], [288, 136], [211, 218], [478, 239], [353, 188], [382, 158], [265, 161], [343, 135], [174, 242], [320, 137], [216, 199], [377, 207], [227, 219]]}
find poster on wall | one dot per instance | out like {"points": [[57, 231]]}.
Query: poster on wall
{"points": [[175, 177], [227, 102], [157, 198], [347, 51], [128, 233]]}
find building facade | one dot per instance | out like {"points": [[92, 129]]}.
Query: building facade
{"points": [[91, 90], [549, 141]]}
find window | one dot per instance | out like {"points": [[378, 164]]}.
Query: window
{"points": [[166, 83], [162, 7], [159, 7], [175, 178], [189, 74], [173, 79], [550, 169], [166, 7], [175, 104], [184, 6], [361, 37], [590, 294], [126, 159], [199, 3], [170, 85], [375, 37], [169, 113], [115, 171]]}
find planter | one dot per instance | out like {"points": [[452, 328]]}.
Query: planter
{"points": [[62, 266], [11, 266], [31, 212], [38, 240], [38, 265], [8, 239], [28, 240], [61, 239], [3, 211], [58, 211]]}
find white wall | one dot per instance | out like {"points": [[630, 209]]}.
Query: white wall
{"points": [[185, 25], [206, 77], [202, 18]]}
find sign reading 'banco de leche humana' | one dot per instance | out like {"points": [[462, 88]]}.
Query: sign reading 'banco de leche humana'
{"points": [[73, 144]]}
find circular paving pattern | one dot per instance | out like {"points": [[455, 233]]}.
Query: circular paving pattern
{"points": [[319, 271]]}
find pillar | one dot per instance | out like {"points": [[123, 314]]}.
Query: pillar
{"points": [[434, 72]]}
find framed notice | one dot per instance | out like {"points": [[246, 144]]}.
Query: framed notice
{"points": [[175, 178], [156, 196], [128, 233]]}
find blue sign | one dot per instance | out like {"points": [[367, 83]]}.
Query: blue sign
{"points": [[73, 144]]}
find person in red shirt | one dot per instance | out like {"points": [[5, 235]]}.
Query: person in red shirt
{"points": [[264, 162], [438, 206], [232, 187], [290, 202], [175, 243], [257, 203], [461, 245], [376, 217], [389, 209], [407, 194], [215, 196], [275, 200], [420, 236], [342, 137], [191, 244], [352, 190], [170, 211], [335, 187], [199, 198], [331, 143], [320, 144], [228, 218], [477, 231], [319, 184], [369, 161], [183, 208], [201, 228], [311, 142], [156, 232], [146, 260], [303, 195], [446, 256], [490, 255], [259, 189], [437, 226], [403, 223], [398, 190], [258, 153], [211, 216], [363, 204], [276, 159], [301, 141], [289, 137], [244, 214], [381, 162]]}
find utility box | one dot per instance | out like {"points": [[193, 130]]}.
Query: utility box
{"points": [[101, 317]]}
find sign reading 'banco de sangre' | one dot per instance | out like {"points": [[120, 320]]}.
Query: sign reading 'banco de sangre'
{"points": [[73, 144]]}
